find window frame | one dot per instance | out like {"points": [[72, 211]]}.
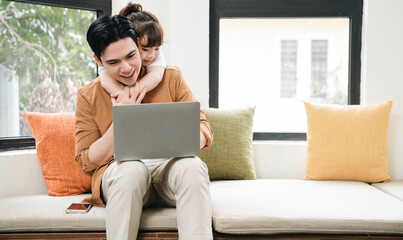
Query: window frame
{"points": [[353, 9], [102, 7]]}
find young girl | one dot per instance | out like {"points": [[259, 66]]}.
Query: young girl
{"points": [[149, 42]]}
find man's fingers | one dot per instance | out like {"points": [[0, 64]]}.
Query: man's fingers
{"points": [[113, 101], [140, 87], [119, 98], [126, 92], [133, 93], [135, 90], [141, 96]]}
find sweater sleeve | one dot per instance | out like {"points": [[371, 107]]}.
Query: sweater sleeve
{"points": [[184, 94], [87, 132]]}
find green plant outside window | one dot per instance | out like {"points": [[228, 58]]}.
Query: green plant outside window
{"points": [[44, 59]]}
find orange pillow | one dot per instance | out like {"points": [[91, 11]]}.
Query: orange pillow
{"points": [[54, 135]]}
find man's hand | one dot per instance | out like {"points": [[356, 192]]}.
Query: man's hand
{"points": [[118, 96], [203, 140], [133, 95]]}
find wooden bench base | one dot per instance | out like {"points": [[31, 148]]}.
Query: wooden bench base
{"points": [[174, 235]]}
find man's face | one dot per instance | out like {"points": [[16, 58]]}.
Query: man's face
{"points": [[122, 61]]}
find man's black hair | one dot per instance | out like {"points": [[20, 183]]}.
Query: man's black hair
{"points": [[106, 30]]}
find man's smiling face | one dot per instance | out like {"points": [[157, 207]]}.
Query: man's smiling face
{"points": [[122, 61]]}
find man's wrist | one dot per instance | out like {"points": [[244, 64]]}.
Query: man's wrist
{"points": [[203, 140]]}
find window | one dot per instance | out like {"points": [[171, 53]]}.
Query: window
{"points": [[275, 54], [288, 68], [44, 59], [319, 68]]}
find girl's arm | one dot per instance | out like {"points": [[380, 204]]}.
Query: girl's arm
{"points": [[155, 72], [152, 78], [109, 84]]}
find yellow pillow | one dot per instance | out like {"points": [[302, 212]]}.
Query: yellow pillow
{"points": [[347, 142]]}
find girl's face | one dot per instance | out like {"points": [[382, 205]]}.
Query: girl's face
{"points": [[148, 54]]}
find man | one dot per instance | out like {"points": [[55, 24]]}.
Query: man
{"points": [[127, 187]]}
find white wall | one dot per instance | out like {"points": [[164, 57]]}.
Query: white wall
{"points": [[187, 44], [382, 68], [186, 38]]}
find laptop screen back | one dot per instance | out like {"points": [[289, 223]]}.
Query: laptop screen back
{"points": [[157, 130]]}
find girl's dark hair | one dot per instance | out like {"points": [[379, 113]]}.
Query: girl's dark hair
{"points": [[106, 30], [145, 23]]}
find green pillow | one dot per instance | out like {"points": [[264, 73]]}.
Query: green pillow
{"points": [[230, 156]]}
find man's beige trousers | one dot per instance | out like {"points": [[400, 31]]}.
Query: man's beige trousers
{"points": [[129, 186]]}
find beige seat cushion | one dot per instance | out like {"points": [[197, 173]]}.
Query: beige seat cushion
{"points": [[393, 188], [270, 206], [43, 213]]}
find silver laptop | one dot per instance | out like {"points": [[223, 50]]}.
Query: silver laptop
{"points": [[156, 130]]}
